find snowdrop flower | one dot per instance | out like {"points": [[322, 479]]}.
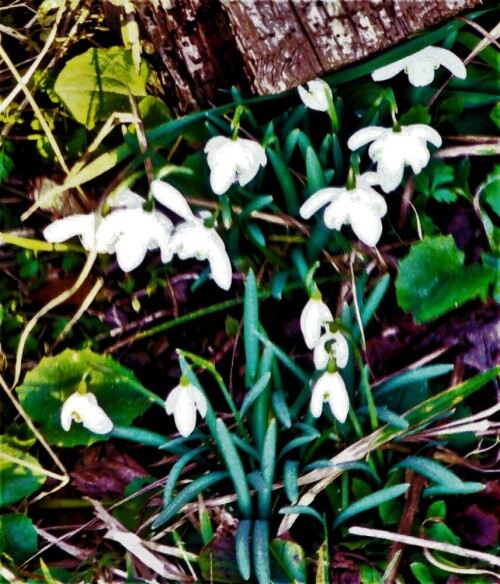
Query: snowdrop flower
{"points": [[315, 315], [330, 388], [83, 408], [420, 67], [233, 161], [192, 239], [392, 150], [183, 401], [339, 349], [315, 96], [361, 207]]}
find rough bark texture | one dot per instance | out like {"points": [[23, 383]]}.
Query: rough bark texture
{"points": [[269, 46]]}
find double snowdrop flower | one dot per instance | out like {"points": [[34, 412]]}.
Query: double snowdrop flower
{"points": [[392, 149], [421, 66], [83, 408], [183, 401], [233, 161], [361, 207], [316, 95]]}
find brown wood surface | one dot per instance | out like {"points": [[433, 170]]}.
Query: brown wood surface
{"points": [[268, 46]]}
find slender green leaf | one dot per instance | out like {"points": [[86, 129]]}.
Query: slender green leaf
{"points": [[188, 494], [286, 182], [466, 488], [301, 510], [412, 376], [176, 470], [369, 502], [290, 480], [315, 176], [261, 551], [251, 327], [234, 465], [432, 470], [243, 548], [267, 466], [254, 393]]}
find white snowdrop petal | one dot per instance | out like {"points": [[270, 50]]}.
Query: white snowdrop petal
{"points": [[171, 198], [314, 316], [320, 356], [389, 71], [338, 211], [451, 62], [338, 398], [222, 177], [424, 132], [366, 135], [199, 400], [421, 74], [317, 200], [63, 229], [125, 198], [367, 227], [130, 253], [220, 265], [316, 404], [171, 400], [185, 413]]}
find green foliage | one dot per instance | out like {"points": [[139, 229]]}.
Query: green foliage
{"points": [[432, 279], [98, 83], [48, 385], [18, 537], [19, 474]]}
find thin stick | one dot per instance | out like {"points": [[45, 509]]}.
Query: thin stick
{"points": [[425, 543]]}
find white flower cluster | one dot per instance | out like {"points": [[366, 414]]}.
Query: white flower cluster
{"points": [[331, 351], [130, 231], [392, 149]]}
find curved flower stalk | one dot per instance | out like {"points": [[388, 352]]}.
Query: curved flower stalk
{"points": [[361, 207], [420, 67], [314, 317], [183, 402], [393, 149], [233, 161], [83, 408], [331, 345], [316, 95], [330, 387]]}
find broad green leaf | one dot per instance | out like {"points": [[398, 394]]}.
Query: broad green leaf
{"points": [[369, 502], [18, 537], [17, 480], [54, 379], [422, 573], [289, 562], [98, 82], [433, 280]]}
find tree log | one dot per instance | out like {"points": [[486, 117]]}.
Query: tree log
{"points": [[268, 46]]}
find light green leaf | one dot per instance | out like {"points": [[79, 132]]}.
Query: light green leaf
{"points": [[289, 563], [54, 379], [433, 280], [16, 480], [98, 82]]}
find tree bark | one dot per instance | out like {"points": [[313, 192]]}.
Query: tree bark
{"points": [[268, 46]]}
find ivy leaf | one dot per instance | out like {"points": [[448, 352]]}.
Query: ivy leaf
{"points": [[18, 537], [54, 379], [437, 181], [97, 83], [432, 279]]}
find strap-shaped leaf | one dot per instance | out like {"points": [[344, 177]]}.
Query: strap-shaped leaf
{"points": [[251, 326], [261, 551], [243, 548], [290, 480]]}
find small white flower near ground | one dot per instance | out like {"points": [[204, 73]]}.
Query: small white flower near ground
{"points": [[183, 402], [330, 387], [393, 149], [314, 318], [83, 408], [315, 96], [361, 207], [420, 67], [233, 161]]}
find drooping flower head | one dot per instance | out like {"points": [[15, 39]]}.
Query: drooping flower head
{"points": [[314, 319], [84, 409], [361, 207], [182, 402], [331, 345], [233, 161], [392, 150], [330, 387], [315, 96], [422, 65]]}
